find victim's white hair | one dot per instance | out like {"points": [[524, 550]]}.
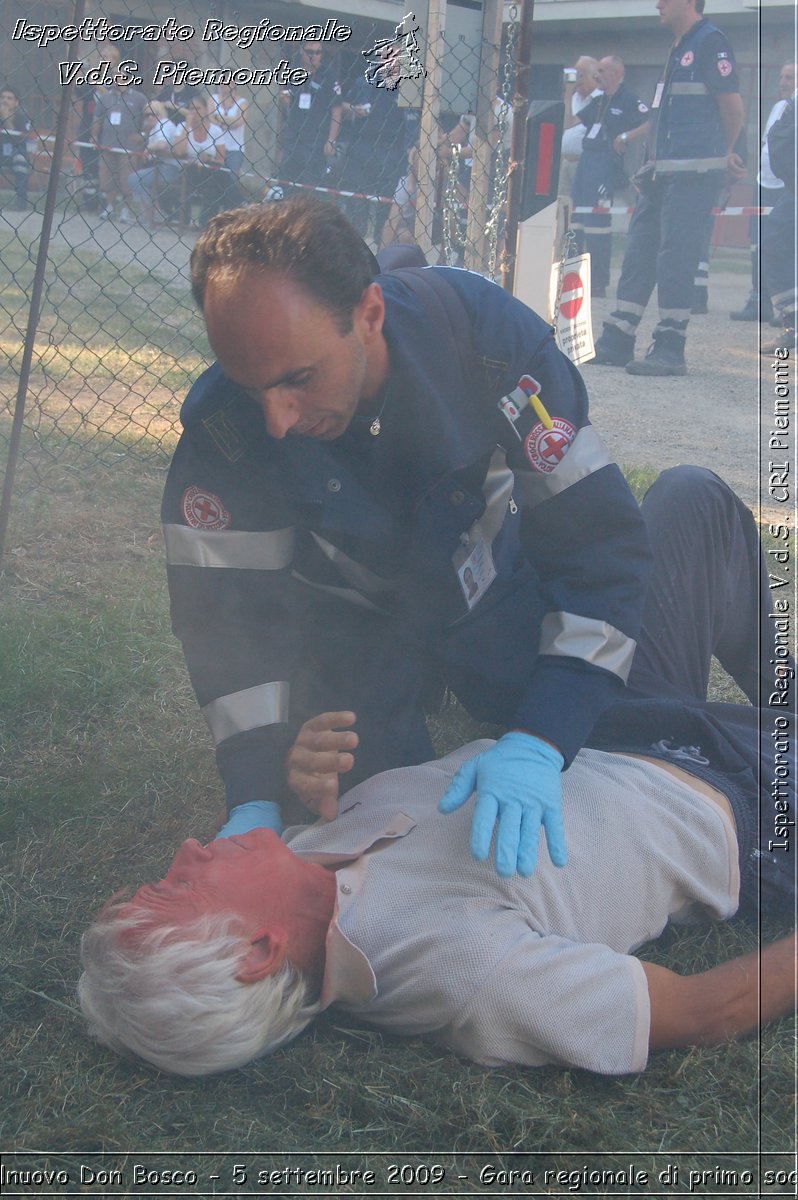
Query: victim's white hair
{"points": [[170, 996]]}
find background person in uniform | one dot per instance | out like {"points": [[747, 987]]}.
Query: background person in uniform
{"points": [[311, 112], [340, 466], [14, 127], [376, 156], [770, 190], [610, 122], [696, 119], [245, 941], [580, 88]]}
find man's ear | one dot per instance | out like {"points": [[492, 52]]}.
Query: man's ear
{"points": [[266, 954], [369, 314]]}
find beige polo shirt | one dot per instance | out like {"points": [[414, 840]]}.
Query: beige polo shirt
{"points": [[527, 971]]}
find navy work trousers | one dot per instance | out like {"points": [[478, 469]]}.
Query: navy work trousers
{"points": [[710, 596], [666, 235], [592, 189], [778, 257]]}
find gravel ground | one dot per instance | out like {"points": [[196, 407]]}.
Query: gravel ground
{"points": [[713, 416]]}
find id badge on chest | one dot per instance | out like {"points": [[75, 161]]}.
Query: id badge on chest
{"points": [[655, 103], [305, 100], [473, 563]]}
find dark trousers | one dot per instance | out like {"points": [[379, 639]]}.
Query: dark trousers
{"points": [[666, 234], [592, 187], [710, 596], [778, 257]]}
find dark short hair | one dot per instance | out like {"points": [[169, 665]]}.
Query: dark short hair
{"points": [[6, 87], [699, 5], [305, 238]]}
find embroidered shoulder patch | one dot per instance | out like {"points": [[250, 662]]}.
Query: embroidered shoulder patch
{"points": [[545, 448], [204, 510], [227, 438]]}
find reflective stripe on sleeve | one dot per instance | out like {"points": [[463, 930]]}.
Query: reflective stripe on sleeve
{"points": [[688, 89], [265, 704], [586, 454], [354, 572], [595, 642], [497, 490], [228, 548]]}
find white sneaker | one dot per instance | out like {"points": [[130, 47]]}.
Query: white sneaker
{"points": [[126, 215], [108, 211]]}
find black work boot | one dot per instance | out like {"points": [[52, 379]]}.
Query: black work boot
{"points": [[754, 309], [613, 348], [665, 356], [785, 341]]}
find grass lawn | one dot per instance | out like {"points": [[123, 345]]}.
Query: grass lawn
{"points": [[106, 766]]}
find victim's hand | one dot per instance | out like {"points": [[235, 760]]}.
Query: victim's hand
{"points": [[322, 751]]}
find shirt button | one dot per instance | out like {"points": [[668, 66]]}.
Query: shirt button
{"points": [[346, 889], [333, 485], [457, 498]]}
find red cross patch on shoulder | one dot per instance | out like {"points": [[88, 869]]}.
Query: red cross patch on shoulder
{"points": [[204, 510], [688, 58], [545, 448], [724, 66]]}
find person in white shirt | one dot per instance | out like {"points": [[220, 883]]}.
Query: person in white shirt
{"points": [[384, 912], [580, 88], [152, 186], [230, 113], [205, 151], [771, 189]]}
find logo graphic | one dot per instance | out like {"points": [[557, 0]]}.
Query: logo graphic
{"points": [[396, 58], [688, 58], [725, 67], [204, 510], [545, 448]]}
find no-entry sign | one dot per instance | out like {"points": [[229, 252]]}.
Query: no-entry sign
{"points": [[571, 288]]}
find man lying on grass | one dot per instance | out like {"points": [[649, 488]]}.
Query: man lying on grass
{"points": [[385, 912]]}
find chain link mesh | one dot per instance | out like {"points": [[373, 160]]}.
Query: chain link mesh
{"points": [[118, 340]]}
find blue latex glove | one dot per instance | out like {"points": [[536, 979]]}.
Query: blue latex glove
{"points": [[518, 784], [257, 814]]}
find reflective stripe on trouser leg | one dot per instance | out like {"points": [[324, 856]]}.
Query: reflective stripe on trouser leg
{"points": [[639, 270]]}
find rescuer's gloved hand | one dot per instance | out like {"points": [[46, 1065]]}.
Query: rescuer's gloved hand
{"points": [[518, 784], [257, 814]]}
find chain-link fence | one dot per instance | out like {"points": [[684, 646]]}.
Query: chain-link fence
{"points": [[125, 126]]}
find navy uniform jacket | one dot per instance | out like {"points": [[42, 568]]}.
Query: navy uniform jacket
{"points": [[689, 131], [613, 115], [385, 528]]}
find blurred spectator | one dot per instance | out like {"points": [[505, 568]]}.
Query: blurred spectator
{"points": [[230, 114], [610, 120], [771, 190], [153, 186], [176, 99], [118, 112], [204, 150], [580, 88], [778, 233], [377, 153], [14, 127], [308, 140]]}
